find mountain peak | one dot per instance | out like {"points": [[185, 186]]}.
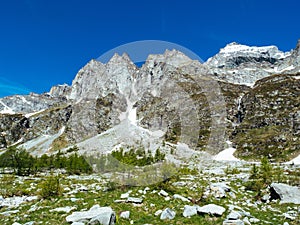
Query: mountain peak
{"points": [[172, 57], [120, 58], [240, 48]]}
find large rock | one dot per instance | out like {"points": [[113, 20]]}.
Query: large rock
{"points": [[168, 214], [286, 193], [211, 209], [189, 210], [125, 215], [184, 199], [95, 215], [234, 215], [134, 200]]}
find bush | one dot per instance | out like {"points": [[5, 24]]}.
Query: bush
{"points": [[232, 170], [263, 175], [51, 187]]}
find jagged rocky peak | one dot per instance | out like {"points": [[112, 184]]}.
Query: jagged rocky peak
{"points": [[124, 58], [234, 54], [296, 54], [97, 80], [171, 57], [60, 90]]}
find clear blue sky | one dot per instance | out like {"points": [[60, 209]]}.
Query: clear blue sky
{"points": [[44, 43]]}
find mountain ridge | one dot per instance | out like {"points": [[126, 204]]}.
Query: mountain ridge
{"points": [[103, 95]]}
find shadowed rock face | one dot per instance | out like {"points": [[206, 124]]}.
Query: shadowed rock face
{"points": [[259, 85], [271, 122]]}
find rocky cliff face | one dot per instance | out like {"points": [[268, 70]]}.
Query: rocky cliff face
{"points": [[270, 119], [249, 95]]}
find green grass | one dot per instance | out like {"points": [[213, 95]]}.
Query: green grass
{"points": [[152, 201]]}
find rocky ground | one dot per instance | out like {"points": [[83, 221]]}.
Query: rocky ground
{"points": [[214, 194]]}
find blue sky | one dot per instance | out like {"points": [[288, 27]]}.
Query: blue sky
{"points": [[44, 43]]}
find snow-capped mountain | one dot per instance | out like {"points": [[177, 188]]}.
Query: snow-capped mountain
{"points": [[243, 64], [164, 97]]}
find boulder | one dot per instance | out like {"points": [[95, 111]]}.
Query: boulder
{"points": [[104, 219], [211, 209], [158, 212], [134, 200], [286, 193], [95, 215], [125, 195], [254, 220], [246, 221], [189, 211], [234, 215], [167, 214], [66, 209], [184, 199], [125, 215], [224, 186], [163, 193]]}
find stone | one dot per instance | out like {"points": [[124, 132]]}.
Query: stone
{"points": [[246, 221], [189, 211], [254, 220], [135, 200], [234, 215], [184, 199], [125, 195], [167, 214], [96, 214], [224, 186], [217, 192], [163, 193], [265, 198], [211, 209], [232, 195], [158, 212], [291, 215], [167, 198], [29, 223], [66, 209], [179, 184], [233, 222], [74, 199], [125, 215], [9, 212], [103, 219], [286, 193]]}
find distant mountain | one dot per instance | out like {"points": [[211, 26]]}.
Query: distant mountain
{"points": [[165, 103]]}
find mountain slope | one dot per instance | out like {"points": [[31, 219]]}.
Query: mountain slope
{"points": [[257, 107]]}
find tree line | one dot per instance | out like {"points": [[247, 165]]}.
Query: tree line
{"points": [[23, 164]]}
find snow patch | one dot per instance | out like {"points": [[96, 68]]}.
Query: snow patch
{"points": [[24, 100], [226, 154], [295, 161], [33, 113], [287, 68]]}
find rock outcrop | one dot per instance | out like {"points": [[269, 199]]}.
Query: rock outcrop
{"points": [[285, 193]]}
